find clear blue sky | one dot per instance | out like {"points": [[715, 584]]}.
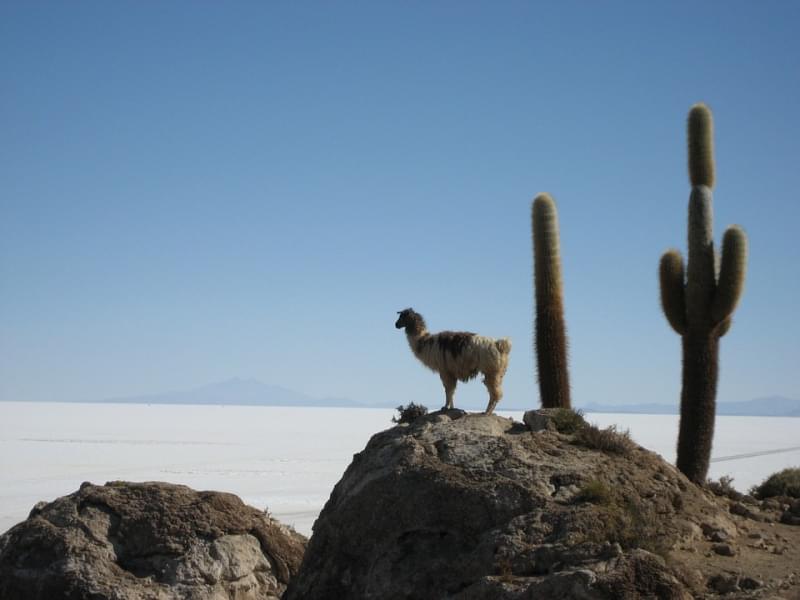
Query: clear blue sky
{"points": [[192, 191]]}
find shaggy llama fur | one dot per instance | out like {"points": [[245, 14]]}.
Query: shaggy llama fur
{"points": [[458, 356]]}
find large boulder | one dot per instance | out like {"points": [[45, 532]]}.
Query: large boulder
{"points": [[480, 507], [127, 541]]}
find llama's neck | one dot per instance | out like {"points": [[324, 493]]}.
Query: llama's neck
{"points": [[415, 340], [414, 334]]}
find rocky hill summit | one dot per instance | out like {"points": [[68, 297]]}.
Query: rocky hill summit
{"points": [[448, 506], [476, 507], [155, 541]]}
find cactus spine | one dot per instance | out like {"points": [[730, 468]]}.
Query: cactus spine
{"points": [[551, 337], [699, 303]]}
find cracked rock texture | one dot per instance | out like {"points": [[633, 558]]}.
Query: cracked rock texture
{"points": [[126, 541], [480, 507]]}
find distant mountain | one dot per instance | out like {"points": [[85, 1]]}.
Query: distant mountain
{"points": [[773, 406], [251, 392], [236, 391]]}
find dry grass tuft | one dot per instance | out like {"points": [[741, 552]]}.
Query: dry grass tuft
{"points": [[724, 487], [596, 492], [606, 440]]}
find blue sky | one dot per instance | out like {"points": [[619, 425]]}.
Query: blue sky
{"points": [[195, 191]]}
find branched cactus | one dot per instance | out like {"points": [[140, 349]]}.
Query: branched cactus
{"points": [[551, 337], [700, 302]]}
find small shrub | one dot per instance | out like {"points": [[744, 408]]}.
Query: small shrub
{"points": [[724, 487], [629, 523], [782, 483], [504, 570], [605, 440], [596, 492], [636, 530], [567, 420], [410, 413]]}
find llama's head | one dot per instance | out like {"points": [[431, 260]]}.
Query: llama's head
{"points": [[411, 320]]}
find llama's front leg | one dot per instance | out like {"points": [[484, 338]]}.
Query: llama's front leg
{"points": [[494, 383], [449, 383]]}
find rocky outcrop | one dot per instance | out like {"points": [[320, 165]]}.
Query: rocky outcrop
{"points": [[127, 541], [480, 507]]}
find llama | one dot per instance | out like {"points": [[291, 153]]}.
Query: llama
{"points": [[457, 355]]}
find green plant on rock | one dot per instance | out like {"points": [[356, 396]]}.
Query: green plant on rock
{"points": [[551, 336], [700, 301], [782, 483], [567, 420], [409, 413]]}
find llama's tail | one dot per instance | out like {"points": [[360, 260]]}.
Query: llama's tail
{"points": [[504, 345]]}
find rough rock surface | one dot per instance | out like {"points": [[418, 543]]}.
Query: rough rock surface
{"points": [[478, 507], [126, 541]]}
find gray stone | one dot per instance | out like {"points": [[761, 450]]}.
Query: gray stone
{"points": [[715, 533], [791, 516], [719, 536], [472, 508], [724, 549], [737, 508], [126, 541], [750, 583], [724, 583], [538, 420]]}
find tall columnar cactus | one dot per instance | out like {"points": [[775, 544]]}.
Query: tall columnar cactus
{"points": [[551, 337], [699, 303]]}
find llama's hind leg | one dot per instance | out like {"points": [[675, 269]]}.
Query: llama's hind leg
{"points": [[494, 383], [449, 383]]}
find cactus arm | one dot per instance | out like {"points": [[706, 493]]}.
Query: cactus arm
{"points": [[723, 327], [700, 136], [673, 300], [700, 270], [733, 266], [547, 251]]}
